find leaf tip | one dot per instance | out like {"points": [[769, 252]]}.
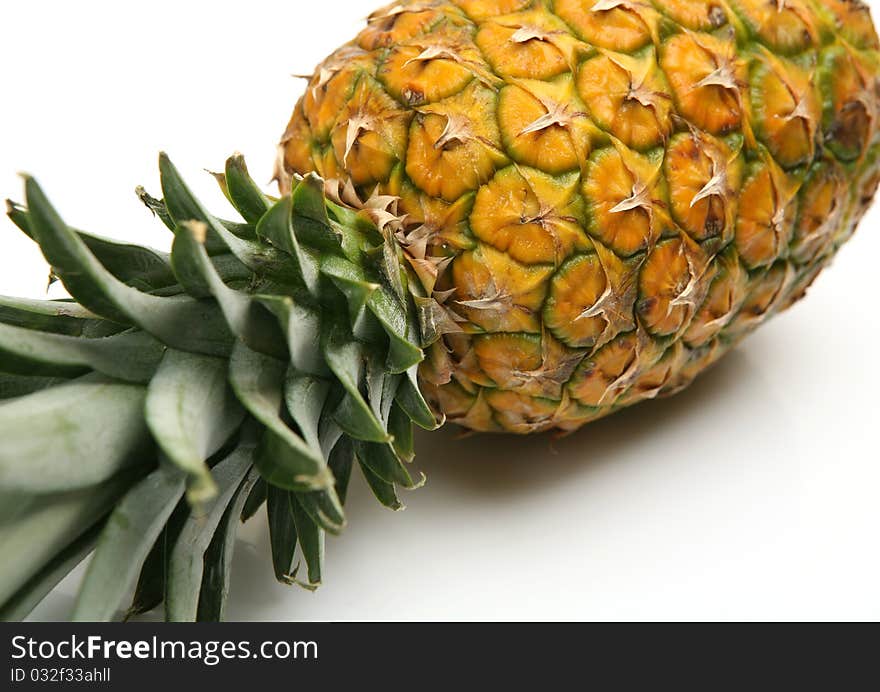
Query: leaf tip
{"points": [[199, 230], [201, 491]]}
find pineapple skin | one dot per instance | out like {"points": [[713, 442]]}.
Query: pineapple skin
{"points": [[601, 197]]}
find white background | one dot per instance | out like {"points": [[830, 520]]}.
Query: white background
{"points": [[754, 495]]}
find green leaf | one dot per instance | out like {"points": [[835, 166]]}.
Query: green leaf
{"points": [[309, 199], [302, 328], [311, 540], [410, 399], [130, 356], [345, 358], [187, 567], [180, 322], [246, 317], [382, 460], [389, 265], [403, 352], [384, 491], [381, 388], [311, 224], [276, 227], [285, 459], [324, 508], [192, 412], [329, 432], [282, 532], [352, 282], [72, 436], [401, 428], [220, 179], [218, 557], [355, 284], [282, 463], [183, 206], [126, 540], [49, 524], [137, 266], [19, 216], [20, 605], [341, 463], [14, 386], [45, 315], [255, 500], [230, 269], [305, 397], [151, 585], [245, 194], [156, 206], [214, 245], [358, 421], [245, 231]]}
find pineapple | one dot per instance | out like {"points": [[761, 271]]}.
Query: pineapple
{"points": [[515, 215], [600, 197]]}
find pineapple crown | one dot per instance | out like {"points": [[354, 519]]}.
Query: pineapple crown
{"points": [[259, 361]]}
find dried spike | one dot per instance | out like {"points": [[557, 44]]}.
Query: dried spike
{"points": [[526, 33]]}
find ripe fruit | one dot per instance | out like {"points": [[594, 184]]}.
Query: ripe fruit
{"points": [[602, 197], [534, 213]]}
